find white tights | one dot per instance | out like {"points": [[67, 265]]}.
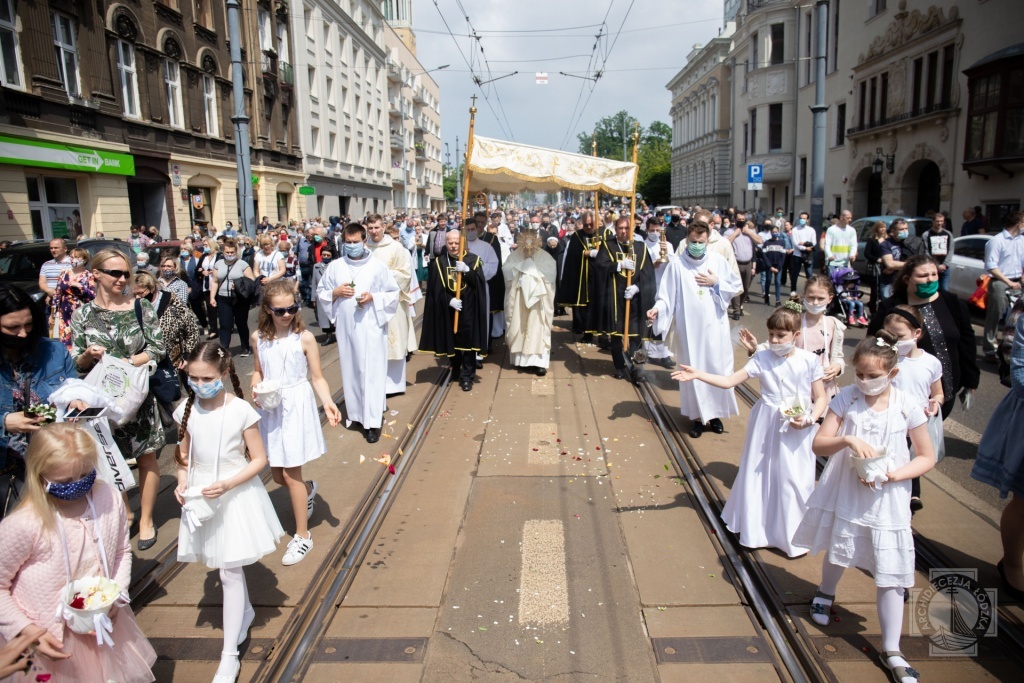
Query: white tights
{"points": [[236, 604]]}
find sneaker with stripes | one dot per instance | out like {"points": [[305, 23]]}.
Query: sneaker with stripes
{"points": [[309, 498], [297, 549]]}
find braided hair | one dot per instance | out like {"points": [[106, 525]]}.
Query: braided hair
{"points": [[216, 355]]}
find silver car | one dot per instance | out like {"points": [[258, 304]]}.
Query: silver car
{"points": [[967, 264]]}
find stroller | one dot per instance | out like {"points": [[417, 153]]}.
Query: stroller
{"points": [[851, 308]]}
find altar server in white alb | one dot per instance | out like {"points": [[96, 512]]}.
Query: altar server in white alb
{"points": [[657, 351], [693, 301], [361, 298], [394, 256], [530, 275]]}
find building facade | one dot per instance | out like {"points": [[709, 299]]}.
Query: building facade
{"points": [[115, 113], [702, 143], [414, 122], [341, 75]]}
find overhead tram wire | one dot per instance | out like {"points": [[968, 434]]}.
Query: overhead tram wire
{"points": [[593, 53], [527, 33]]}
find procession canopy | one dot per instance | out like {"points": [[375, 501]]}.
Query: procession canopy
{"points": [[503, 167]]}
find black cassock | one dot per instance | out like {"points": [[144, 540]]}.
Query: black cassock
{"points": [[496, 284], [437, 336], [614, 287], [578, 288]]}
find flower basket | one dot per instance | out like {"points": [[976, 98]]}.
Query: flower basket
{"points": [[268, 393], [86, 606]]}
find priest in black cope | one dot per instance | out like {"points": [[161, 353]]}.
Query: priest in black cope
{"points": [[496, 285], [577, 288], [438, 336]]}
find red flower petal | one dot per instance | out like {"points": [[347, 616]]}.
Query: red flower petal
{"points": [[78, 602], [391, 469], [42, 678]]}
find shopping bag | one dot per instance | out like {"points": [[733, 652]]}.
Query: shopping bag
{"points": [[126, 384], [981, 293], [111, 465]]}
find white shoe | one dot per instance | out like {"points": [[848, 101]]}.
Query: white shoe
{"points": [[309, 498], [228, 670], [248, 617], [297, 549]]}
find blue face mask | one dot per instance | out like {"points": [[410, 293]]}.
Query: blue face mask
{"points": [[802, 222], [354, 251], [72, 490], [696, 249], [185, 253], [207, 391]]}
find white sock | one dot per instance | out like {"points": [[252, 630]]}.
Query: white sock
{"points": [[235, 601], [890, 618], [830, 575]]}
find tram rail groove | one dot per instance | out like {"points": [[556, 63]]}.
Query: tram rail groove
{"points": [[797, 660], [293, 653], [927, 556]]}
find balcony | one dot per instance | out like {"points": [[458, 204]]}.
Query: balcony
{"points": [[417, 124], [394, 106], [421, 152], [286, 73], [939, 109], [397, 142], [394, 72], [754, 5], [419, 95], [268, 59]]}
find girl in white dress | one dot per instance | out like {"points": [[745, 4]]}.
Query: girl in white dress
{"points": [[776, 474], [285, 353], [228, 520], [820, 334], [862, 524], [920, 376]]}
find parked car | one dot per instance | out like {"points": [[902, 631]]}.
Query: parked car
{"points": [[967, 264], [20, 262], [863, 226]]}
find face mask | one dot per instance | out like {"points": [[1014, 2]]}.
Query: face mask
{"points": [[207, 391], [927, 289], [902, 234], [653, 236], [696, 249], [168, 272], [801, 222], [782, 349], [775, 235], [185, 253], [231, 259], [815, 309], [873, 387], [13, 341], [72, 490], [77, 263], [904, 348], [779, 214], [326, 259], [206, 250], [142, 262], [318, 239], [471, 235], [354, 251]]}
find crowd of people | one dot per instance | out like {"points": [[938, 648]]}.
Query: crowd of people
{"points": [[653, 288]]}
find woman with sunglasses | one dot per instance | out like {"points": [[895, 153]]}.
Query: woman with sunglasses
{"points": [[108, 324]]}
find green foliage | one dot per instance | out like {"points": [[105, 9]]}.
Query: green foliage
{"points": [[654, 158], [449, 183]]}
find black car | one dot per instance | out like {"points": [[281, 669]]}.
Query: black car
{"points": [[20, 263]]}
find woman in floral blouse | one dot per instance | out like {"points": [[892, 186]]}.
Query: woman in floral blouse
{"points": [[108, 324], [75, 287]]}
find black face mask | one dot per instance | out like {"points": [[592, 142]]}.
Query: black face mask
{"points": [[14, 342]]}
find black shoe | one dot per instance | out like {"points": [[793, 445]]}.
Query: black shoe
{"points": [[147, 543], [696, 429], [587, 338], [372, 435], [667, 363], [766, 300], [541, 372], [408, 357], [328, 340], [915, 504], [618, 374], [479, 364], [466, 385], [245, 353], [716, 426], [604, 343]]}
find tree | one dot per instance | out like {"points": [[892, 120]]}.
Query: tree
{"points": [[614, 133], [654, 157]]}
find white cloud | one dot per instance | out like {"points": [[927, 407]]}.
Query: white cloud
{"points": [[638, 66]]}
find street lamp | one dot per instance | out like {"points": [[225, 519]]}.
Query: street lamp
{"points": [[401, 97]]}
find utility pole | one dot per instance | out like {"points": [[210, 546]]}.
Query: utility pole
{"points": [[818, 133], [246, 213]]}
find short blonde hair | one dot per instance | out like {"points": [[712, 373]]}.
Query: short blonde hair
{"points": [[144, 280], [51, 447]]}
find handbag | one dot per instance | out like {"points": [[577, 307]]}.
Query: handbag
{"points": [[163, 382], [981, 293], [197, 508], [111, 466], [245, 288], [125, 384]]}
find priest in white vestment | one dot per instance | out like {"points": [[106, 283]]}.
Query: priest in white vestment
{"points": [[530, 280], [395, 257], [693, 301], [361, 297], [488, 259]]}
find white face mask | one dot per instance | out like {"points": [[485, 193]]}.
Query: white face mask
{"points": [[905, 348], [873, 387], [782, 349], [815, 309]]}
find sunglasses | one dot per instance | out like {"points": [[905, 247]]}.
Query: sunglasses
{"points": [[291, 310], [116, 274]]}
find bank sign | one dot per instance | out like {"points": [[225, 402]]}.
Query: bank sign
{"points": [[45, 154]]}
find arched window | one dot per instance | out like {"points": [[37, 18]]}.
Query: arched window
{"points": [[128, 76], [172, 84], [210, 110]]}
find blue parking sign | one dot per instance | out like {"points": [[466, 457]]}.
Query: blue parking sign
{"points": [[755, 176]]}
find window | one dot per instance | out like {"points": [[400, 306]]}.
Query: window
{"points": [[332, 141], [883, 100], [840, 124], [876, 7], [314, 136], [778, 44], [862, 103], [803, 176], [283, 50], [266, 36], [746, 141], [67, 55], [873, 103], [808, 47], [129, 78], [995, 126], [931, 79], [313, 90], [203, 13], [172, 79], [210, 105], [753, 131], [774, 127], [946, 93], [754, 61], [329, 91], [282, 206], [10, 69], [917, 85]]}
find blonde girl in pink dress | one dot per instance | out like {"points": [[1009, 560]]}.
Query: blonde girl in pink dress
{"points": [[68, 526]]}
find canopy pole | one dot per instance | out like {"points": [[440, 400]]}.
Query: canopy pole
{"points": [[632, 226], [465, 208], [597, 193]]}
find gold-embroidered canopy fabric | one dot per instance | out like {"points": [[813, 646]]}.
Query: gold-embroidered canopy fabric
{"points": [[505, 168]]}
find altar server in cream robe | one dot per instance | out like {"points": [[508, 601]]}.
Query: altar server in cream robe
{"points": [[394, 255], [530, 280], [692, 304]]}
